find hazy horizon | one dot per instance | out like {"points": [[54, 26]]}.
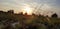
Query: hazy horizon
{"points": [[38, 6]]}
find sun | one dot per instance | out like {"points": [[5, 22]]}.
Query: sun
{"points": [[27, 10]]}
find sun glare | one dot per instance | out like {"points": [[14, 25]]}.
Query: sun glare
{"points": [[27, 10]]}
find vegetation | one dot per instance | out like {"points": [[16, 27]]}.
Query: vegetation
{"points": [[10, 20]]}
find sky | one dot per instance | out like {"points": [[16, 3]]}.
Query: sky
{"points": [[44, 7]]}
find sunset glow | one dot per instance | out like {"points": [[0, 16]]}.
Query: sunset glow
{"points": [[27, 10]]}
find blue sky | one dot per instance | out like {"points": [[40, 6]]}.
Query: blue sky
{"points": [[42, 6]]}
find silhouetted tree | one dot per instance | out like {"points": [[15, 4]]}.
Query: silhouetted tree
{"points": [[54, 15], [11, 11], [25, 13], [21, 13], [1, 11], [33, 14]]}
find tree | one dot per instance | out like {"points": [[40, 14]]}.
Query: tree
{"points": [[54, 15], [11, 11]]}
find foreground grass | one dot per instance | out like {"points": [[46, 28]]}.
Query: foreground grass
{"points": [[18, 21]]}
